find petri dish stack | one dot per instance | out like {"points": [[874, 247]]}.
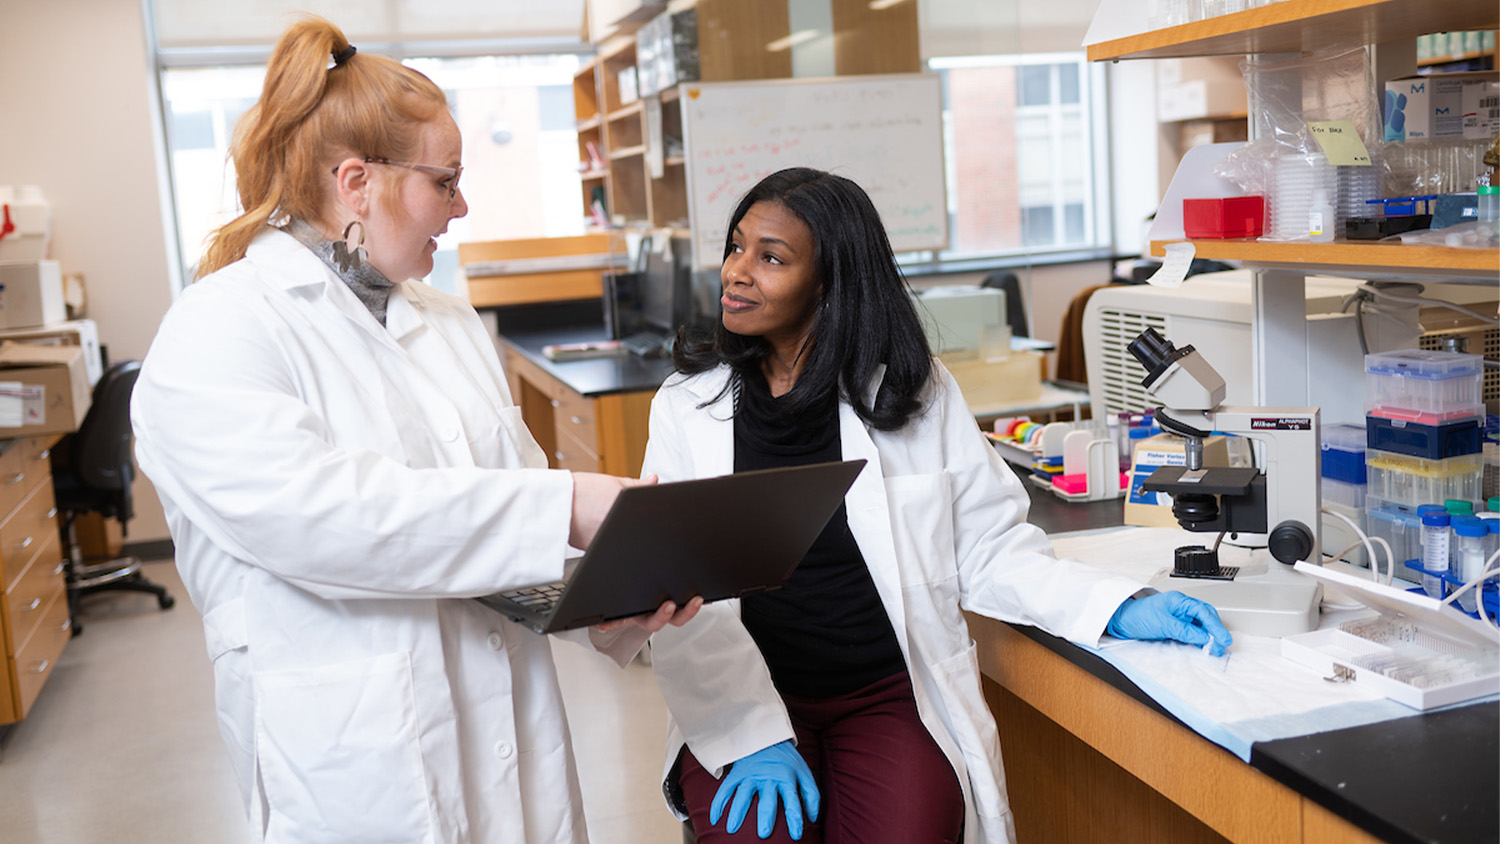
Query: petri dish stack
{"points": [[1356, 185], [1297, 176]]}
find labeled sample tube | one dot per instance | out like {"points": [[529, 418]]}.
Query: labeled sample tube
{"points": [[1435, 542], [1470, 536]]}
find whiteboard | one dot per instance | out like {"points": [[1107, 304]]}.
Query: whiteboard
{"points": [[883, 132]]}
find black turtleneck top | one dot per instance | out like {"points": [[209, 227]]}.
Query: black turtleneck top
{"points": [[825, 633]]}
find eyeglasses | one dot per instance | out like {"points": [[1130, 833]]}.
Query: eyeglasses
{"points": [[453, 173]]}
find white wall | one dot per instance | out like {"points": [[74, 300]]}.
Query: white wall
{"points": [[75, 118]]}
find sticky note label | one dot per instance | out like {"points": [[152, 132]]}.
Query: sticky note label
{"points": [[1341, 143]]}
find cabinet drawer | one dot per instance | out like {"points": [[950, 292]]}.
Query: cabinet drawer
{"points": [[27, 529], [26, 600], [36, 658], [574, 455], [23, 465], [574, 416]]}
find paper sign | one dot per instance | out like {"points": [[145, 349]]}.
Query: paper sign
{"points": [[12, 404], [1174, 267], [1340, 142]]}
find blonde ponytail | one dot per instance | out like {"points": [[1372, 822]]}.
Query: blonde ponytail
{"points": [[311, 115]]}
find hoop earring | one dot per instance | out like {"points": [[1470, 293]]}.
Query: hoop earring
{"points": [[351, 259]]}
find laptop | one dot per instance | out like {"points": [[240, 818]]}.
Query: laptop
{"points": [[724, 537]]}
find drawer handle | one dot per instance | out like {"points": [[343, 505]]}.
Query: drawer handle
{"points": [[16, 478], [41, 667], [46, 453], [31, 605], [51, 513], [61, 567], [575, 420], [65, 626], [556, 403], [24, 544], [560, 456]]}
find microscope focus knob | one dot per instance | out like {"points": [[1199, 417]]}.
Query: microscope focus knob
{"points": [[1290, 542], [1195, 561]]}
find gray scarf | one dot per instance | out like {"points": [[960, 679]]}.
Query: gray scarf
{"points": [[372, 288]]}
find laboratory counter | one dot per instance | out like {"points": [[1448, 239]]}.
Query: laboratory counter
{"points": [[588, 415], [1090, 756]]}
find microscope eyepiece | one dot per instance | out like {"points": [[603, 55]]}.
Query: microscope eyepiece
{"points": [[1151, 349], [1156, 353]]}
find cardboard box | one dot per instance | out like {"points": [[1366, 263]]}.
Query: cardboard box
{"points": [[43, 389], [1200, 87], [31, 294], [75, 332], [1444, 105], [1154, 509], [989, 384]]}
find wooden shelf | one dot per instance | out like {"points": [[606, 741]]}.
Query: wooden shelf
{"points": [[626, 152], [590, 175], [591, 123], [1352, 258], [626, 111], [1300, 26]]}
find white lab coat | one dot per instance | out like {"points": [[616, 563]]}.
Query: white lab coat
{"points": [[332, 490], [941, 522]]}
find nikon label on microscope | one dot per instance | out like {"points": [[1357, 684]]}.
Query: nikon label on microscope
{"points": [[1281, 423]]}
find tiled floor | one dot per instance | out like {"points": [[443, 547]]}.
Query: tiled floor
{"points": [[122, 745]]}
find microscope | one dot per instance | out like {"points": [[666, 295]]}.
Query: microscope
{"points": [[1280, 499]]}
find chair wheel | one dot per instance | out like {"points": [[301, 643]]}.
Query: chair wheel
{"points": [[166, 602]]}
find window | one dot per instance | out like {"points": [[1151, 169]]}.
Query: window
{"points": [[1024, 175], [515, 114]]}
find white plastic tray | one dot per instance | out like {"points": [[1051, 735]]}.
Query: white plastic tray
{"points": [[1439, 630]]}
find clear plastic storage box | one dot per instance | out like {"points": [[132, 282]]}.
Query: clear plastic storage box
{"points": [[1405, 479], [1344, 454], [1341, 492], [1398, 525], [1426, 386]]}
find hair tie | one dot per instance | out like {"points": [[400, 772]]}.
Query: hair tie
{"points": [[344, 55]]}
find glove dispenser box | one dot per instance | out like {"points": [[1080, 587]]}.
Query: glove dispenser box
{"points": [[25, 223], [31, 294]]}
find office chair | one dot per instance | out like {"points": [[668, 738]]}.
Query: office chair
{"points": [[1015, 309], [91, 473]]}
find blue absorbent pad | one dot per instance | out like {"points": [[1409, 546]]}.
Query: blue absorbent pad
{"points": [[1259, 695]]}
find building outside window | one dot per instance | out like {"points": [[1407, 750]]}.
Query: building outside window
{"points": [[1021, 135]]}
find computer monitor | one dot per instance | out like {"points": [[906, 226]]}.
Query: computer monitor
{"points": [[658, 287]]}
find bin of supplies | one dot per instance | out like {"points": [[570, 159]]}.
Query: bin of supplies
{"points": [[1424, 386]]}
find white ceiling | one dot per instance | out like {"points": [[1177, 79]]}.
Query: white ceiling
{"points": [[210, 23]]}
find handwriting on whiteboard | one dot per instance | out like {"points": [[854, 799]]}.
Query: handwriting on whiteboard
{"points": [[884, 133]]}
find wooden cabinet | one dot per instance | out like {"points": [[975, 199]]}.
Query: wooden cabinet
{"points": [[580, 433], [34, 617]]}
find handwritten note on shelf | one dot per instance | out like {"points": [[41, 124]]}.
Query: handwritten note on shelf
{"points": [[883, 132]]}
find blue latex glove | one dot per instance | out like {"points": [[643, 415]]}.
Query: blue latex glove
{"points": [[1170, 615], [778, 769]]}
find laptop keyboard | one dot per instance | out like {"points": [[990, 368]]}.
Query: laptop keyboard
{"points": [[539, 598]]}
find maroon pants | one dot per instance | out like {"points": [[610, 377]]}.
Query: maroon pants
{"points": [[881, 777]]}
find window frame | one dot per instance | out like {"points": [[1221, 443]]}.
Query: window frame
{"points": [[1093, 108]]}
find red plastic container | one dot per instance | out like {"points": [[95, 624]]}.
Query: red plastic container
{"points": [[1233, 216]]}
